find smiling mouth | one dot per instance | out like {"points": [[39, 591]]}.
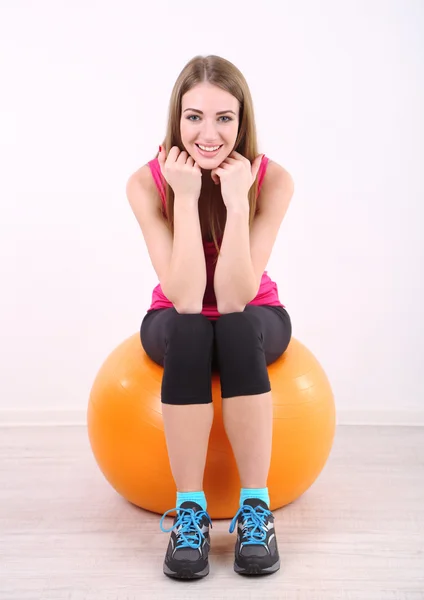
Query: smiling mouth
{"points": [[209, 151]]}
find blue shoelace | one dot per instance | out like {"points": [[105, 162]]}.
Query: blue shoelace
{"points": [[188, 521], [253, 524]]}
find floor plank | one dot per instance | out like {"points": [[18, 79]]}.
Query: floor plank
{"points": [[356, 534]]}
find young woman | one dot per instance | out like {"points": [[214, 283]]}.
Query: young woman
{"points": [[210, 208]]}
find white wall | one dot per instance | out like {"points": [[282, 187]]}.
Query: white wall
{"points": [[339, 95]]}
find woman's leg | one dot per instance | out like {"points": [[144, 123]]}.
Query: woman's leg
{"points": [[183, 344], [187, 430], [246, 343], [248, 424]]}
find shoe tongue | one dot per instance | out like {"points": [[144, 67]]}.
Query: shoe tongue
{"points": [[255, 502], [191, 504]]}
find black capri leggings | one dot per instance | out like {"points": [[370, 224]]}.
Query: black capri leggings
{"points": [[238, 345]]}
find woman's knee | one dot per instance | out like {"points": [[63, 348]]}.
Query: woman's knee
{"points": [[260, 328], [237, 328], [164, 330], [187, 360], [189, 341], [238, 340], [190, 327], [241, 357]]}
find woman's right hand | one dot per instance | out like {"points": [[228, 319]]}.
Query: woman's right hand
{"points": [[181, 172]]}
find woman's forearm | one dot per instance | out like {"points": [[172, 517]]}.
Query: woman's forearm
{"points": [[234, 281], [186, 280]]}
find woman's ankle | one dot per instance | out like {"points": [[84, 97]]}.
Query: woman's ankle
{"points": [[198, 497]]}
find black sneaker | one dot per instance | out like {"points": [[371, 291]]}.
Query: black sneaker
{"points": [[189, 545], [256, 551]]}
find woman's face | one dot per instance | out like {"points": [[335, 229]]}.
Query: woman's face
{"points": [[209, 118]]}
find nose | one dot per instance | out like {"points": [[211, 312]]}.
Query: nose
{"points": [[209, 134]]}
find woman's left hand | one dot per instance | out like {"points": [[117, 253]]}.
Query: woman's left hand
{"points": [[236, 176]]}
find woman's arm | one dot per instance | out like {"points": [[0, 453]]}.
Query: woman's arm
{"points": [[234, 281], [186, 279], [244, 256], [178, 260]]}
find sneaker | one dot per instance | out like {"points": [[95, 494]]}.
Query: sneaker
{"points": [[189, 545], [256, 551]]}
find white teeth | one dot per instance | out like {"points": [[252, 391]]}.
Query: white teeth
{"points": [[208, 149]]}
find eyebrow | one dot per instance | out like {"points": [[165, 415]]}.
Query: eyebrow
{"points": [[221, 112]]}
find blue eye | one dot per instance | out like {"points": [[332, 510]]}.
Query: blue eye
{"points": [[222, 117]]}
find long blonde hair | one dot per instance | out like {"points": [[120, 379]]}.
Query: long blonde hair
{"points": [[222, 73]]}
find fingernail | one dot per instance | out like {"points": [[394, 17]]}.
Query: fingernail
{"points": [[160, 148]]}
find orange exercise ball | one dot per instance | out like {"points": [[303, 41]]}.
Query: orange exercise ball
{"points": [[127, 437]]}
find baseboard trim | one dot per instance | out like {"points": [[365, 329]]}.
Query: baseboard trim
{"points": [[72, 417], [42, 417], [400, 418]]}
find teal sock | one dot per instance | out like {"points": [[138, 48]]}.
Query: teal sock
{"points": [[261, 493], [198, 497]]}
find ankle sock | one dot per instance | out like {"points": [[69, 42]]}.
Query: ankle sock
{"points": [[261, 493], [198, 497]]}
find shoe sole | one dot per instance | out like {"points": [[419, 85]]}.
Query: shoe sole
{"points": [[254, 569], [186, 573]]}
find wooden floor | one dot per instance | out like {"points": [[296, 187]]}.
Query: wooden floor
{"points": [[358, 533]]}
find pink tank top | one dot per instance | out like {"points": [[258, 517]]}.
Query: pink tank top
{"points": [[268, 291]]}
